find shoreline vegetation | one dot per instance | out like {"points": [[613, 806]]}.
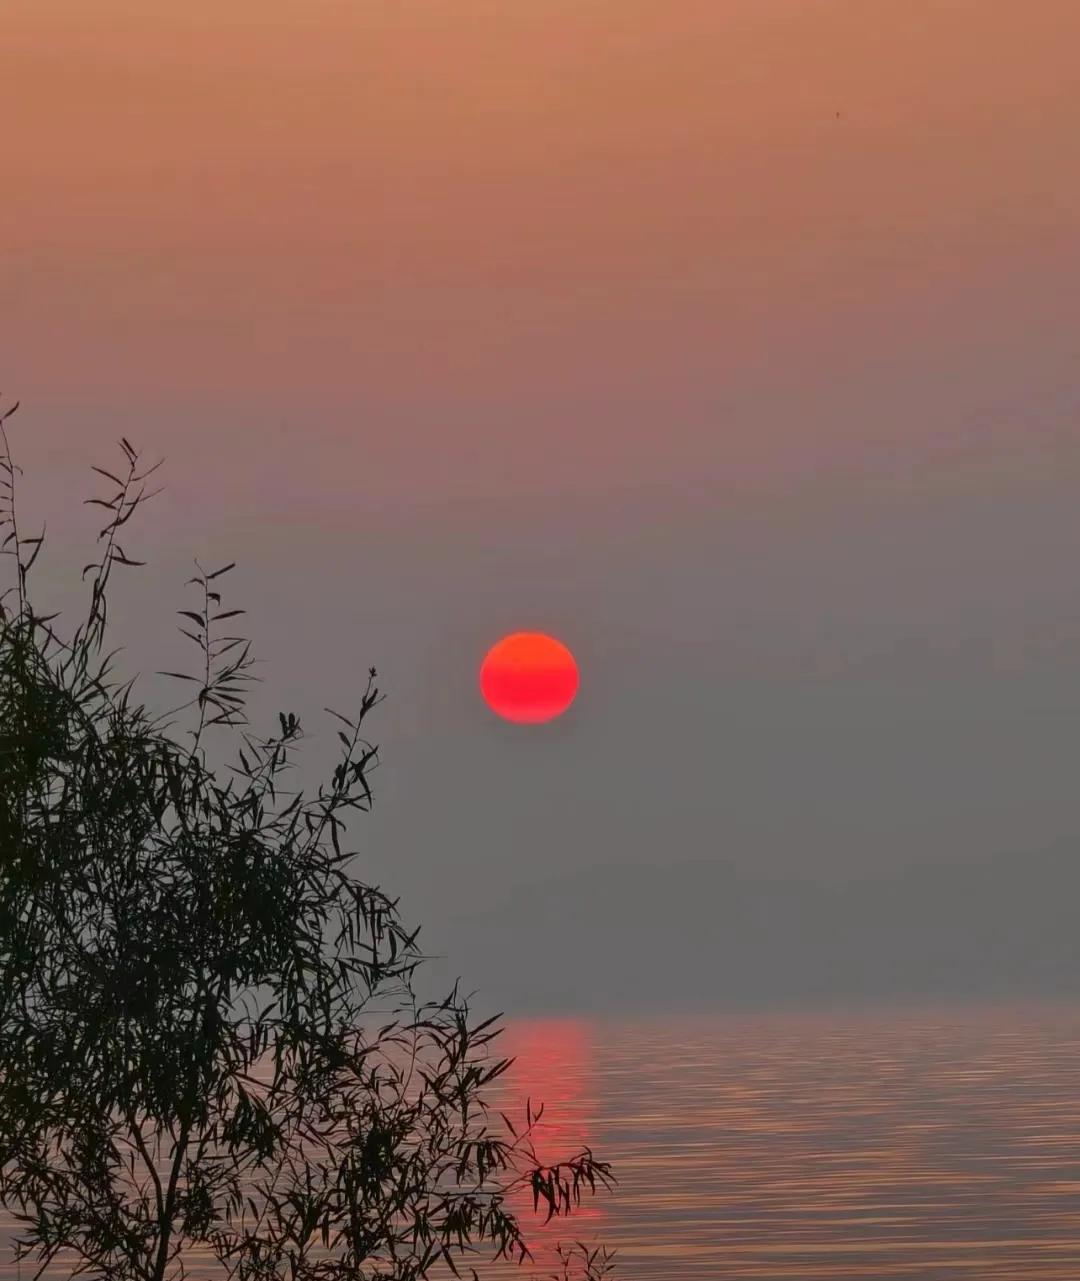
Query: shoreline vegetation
{"points": [[171, 927]]}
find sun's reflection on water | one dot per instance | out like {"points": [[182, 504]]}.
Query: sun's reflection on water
{"points": [[931, 1145], [553, 1067]]}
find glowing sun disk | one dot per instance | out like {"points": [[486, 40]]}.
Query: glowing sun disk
{"points": [[529, 677]]}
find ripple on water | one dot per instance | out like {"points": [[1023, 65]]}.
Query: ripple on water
{"points": [[921, 1144], [931, 1145]]}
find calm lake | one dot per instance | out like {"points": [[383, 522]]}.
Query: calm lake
{"points": [[935, 1144], [924, 1144]]}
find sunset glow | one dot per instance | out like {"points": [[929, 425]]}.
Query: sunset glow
{"points": [[644, 443]]}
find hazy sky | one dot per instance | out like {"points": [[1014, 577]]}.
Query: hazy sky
{"points": [[733, 341]]}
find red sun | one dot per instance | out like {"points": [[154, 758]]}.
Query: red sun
{"points": [[529, 677]]}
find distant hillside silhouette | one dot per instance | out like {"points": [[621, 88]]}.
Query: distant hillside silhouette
{"points": [[703, 932]]}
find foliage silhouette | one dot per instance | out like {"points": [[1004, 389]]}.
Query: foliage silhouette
{"points": [[211, 1044]]}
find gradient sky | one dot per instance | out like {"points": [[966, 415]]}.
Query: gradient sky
{"points": [[733, 341]]}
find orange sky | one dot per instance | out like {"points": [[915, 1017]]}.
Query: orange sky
{"points": [[416, 210], [459, 317]]}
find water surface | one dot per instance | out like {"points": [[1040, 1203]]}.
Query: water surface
{"points": [[933, 1144]]}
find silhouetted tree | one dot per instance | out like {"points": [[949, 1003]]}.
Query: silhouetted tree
{"points": [[211, 1047]]}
